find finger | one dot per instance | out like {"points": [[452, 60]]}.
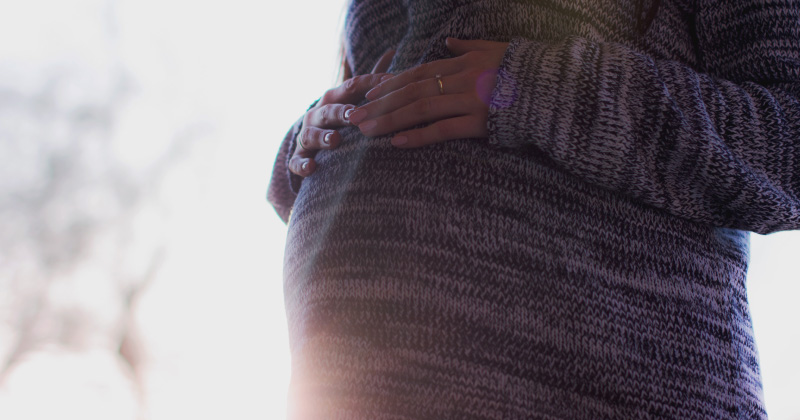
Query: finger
{"points": [[409, 94], [347, 72], [425, 110], [329, 116], [443, 67], [462, 127], [312, 139], [302, 166], [384, 62], [352, 91], [462, 46]]}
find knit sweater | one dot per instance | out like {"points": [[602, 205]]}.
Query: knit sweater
{"points": [[588, 259]]}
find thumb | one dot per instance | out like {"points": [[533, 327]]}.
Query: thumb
{"points": [[463, 46]]}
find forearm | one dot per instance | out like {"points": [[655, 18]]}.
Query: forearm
{"points": [[700, 147]]}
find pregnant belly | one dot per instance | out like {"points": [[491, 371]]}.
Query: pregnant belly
{"points": [[415, 277], [459, 199]]}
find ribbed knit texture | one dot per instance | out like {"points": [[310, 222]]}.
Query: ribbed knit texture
{"points": [[588, 259]]}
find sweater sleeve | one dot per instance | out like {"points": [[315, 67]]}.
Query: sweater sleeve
{"points": [[719, 146]]}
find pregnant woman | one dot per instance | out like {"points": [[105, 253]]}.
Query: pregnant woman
{"points": [[541, 210]]}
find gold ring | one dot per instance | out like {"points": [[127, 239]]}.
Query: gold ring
{"points": [[441, 85]]}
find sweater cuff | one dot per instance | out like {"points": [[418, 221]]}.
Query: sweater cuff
{"points": [[516, 107]]}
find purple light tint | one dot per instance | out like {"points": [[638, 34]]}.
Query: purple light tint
{"points": [[504, 93]]}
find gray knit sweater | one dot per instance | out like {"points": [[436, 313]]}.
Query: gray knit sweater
{"points": [[588, 259]]}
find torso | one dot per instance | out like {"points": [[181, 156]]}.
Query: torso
{"points": [[466, 281]]}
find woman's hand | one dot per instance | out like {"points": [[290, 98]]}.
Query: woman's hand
{"points": [[332, 112], [452, 94]]}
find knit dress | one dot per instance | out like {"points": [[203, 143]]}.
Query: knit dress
{"points": [[588, 259]]}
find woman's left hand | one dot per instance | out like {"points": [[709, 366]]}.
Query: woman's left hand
{"points": [[451, 94]]}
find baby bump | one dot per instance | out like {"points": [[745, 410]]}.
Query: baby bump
{"points": [[410, 273], [372, 210], [393, 265]]}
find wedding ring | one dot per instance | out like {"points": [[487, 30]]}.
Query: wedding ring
{"points": [[441, 85]]}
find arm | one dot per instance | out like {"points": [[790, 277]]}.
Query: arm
{"points": [[720, 147]]}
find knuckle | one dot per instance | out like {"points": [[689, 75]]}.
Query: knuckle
{"points": [[349, 86], [368, 79], [316, 116], [328, 115], [319, 117], [305, 139], [329, 96], [336, 116], [422, 106], [418, 72]]}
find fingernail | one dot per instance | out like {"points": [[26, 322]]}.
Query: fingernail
{"points": [[357, 116], [373, 93], [367, 126], [387, 77], [347, 114], [399, 141], [327, 138], [304, 166]]}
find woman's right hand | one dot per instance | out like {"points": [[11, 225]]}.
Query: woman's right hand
{"points": [[331, 112]]}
